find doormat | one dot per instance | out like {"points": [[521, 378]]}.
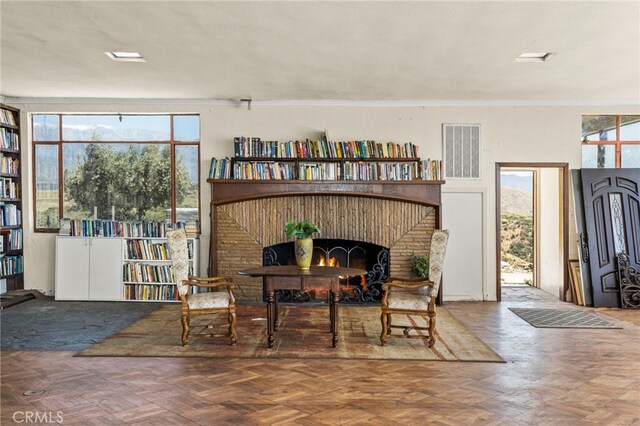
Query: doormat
{"points": [[562, 318], [303, 332]]}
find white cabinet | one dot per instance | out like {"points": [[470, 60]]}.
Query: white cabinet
{"points": [[88, 268]]}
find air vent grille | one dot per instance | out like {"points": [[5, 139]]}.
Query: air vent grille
{"points": [[461, 147]]}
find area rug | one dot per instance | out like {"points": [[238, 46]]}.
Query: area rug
{"points": [[303, 332], [562, 318]]}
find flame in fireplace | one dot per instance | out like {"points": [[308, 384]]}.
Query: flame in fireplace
{"points": [[332, 262]]}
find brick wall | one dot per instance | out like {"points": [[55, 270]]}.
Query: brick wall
{"points": [[244, 228]]}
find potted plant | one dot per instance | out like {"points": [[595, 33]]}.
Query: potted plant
{"points": [[303, 242], [420, 265]]}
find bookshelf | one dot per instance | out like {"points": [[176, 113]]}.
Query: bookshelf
{"points": [[11, 254], [256, 159], [118, 261], [147, 273]]}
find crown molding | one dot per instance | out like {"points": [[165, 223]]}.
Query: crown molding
{"points": [[323, 102]]}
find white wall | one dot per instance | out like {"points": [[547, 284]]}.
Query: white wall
{"points": [[509, 133], [463, 274]]}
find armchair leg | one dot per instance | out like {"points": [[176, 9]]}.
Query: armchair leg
{"points": [[384, 317], [185, 329], [432, 328], [233, 337]]}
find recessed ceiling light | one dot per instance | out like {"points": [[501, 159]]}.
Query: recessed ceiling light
{"points": [[126, 56], [534, 57]]}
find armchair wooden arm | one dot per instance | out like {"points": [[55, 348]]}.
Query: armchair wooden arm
{"points": [[410, 283], [209, 282]]}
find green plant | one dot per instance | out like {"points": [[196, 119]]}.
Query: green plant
{"points": [[420, 265], [300, 230]]}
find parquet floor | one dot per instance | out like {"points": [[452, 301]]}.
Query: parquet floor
{"points": [[552, 377]]}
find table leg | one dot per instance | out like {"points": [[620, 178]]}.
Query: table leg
{"points": [[335, 297], [270, 318], [330, 311], [275, 319]]}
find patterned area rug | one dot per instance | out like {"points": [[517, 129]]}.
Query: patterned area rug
{"points": [[303, 332], [562, 318]]}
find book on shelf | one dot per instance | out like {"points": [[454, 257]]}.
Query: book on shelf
{"points": [[253, 147], [151, 292], [114, 228], [257, 159], [9, 189], [7, 117], [10, 139], [11, 265], [9, 165], [431, 169], [10, 215], [220, 168]]}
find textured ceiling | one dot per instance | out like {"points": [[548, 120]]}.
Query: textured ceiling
{"points": [[317, 50]]}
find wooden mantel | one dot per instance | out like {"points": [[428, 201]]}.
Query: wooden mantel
{"points": [[416, 191], [228, 192]]}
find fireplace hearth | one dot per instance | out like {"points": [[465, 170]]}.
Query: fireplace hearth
{"points": [[372, 258]]}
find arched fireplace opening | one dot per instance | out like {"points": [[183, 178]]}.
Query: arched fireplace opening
{"points": [[336, 252]]}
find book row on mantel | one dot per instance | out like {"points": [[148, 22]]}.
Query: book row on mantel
{"points": [[255, 147], [114, 228], [309, 170]]}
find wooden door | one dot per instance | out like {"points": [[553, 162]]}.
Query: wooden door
{"points": [[612, 216]]}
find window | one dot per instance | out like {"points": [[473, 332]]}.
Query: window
{"points": [[610, 141], [113, 166]]}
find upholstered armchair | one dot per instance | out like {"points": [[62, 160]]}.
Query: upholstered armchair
{"points": [[205, 303], [415, 296]]}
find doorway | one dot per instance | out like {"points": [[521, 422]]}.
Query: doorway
{"points": [[531, 226], [518, 227]]}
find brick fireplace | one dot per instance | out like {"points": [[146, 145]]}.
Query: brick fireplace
{"points": [[247, 216]]}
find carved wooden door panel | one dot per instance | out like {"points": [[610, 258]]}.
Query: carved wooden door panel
{"points": [[612, 216]]}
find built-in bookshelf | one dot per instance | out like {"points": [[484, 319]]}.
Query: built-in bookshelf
{"points": [[147, 271], [116, 260], [11, 254], [114, 228], [256, 159]]}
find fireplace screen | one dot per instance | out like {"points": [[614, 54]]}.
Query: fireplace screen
{"points": [[333, 252]]}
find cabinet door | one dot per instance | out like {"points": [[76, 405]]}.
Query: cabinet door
{"points": [[72, 268], [105, 269]]}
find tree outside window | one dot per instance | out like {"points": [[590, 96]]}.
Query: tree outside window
{"points": [[125, 167]]}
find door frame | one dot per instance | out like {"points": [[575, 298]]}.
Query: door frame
{"points": [[564, 189]]}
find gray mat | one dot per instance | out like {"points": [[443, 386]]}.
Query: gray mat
{"points": [[43, 324], [562, 318]]}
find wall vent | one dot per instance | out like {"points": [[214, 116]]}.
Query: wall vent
{"points": [[461, 147]]}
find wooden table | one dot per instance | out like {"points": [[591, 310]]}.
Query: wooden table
{"points": [[290, 277]]}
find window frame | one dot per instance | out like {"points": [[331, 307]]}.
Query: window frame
{"points": [[60, 142], [617, 143]]}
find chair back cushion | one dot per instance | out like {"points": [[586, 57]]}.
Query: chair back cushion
{"points": [[177, 241], [436, 258]]}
